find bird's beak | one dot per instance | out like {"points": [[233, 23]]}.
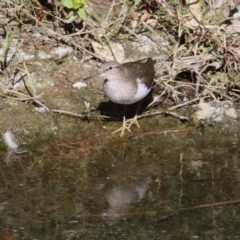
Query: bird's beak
{"points": [[92, 76]]}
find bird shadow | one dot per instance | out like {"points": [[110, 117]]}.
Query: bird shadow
{"points": [[115, 111]]}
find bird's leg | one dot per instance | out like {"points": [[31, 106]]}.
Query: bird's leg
{"points": [[134, 120], [124, 126]]}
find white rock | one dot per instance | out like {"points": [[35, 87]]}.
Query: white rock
{"points": [[216, 111], [41, 110], [61, 52], [79, 85], [230, 112]]}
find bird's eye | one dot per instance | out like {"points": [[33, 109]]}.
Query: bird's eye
{"points": [[110, 68]]}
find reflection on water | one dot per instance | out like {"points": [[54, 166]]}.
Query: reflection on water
{"points": [[150, 188], [120, 198], [9, 156], [12, 146]]}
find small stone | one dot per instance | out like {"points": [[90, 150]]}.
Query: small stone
{"points": [[59, 53], [79, 85], [217, 111], [41, 110]]}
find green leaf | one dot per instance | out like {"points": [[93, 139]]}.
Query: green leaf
{"points": [[77, 4], [82, 13], [67, 3]]}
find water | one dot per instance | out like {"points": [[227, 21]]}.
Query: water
{"points": [[91, 185]]}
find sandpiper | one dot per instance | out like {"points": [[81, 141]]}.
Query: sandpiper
{"points": [[126, 84]]}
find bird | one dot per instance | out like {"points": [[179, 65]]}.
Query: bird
{"points": [[126, 84]]}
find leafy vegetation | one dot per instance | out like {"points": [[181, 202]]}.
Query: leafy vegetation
{"points": [[75, 7]]}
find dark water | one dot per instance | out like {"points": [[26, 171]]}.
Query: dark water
{"points": [[174, 186]]}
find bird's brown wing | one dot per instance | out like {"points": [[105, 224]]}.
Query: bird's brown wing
{"points": [[142, 69]]}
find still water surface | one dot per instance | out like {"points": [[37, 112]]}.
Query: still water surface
{"points": [[175, 186]]}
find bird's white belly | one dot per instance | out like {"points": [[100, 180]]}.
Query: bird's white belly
{"points": [[125, 93], [142, 91]]}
